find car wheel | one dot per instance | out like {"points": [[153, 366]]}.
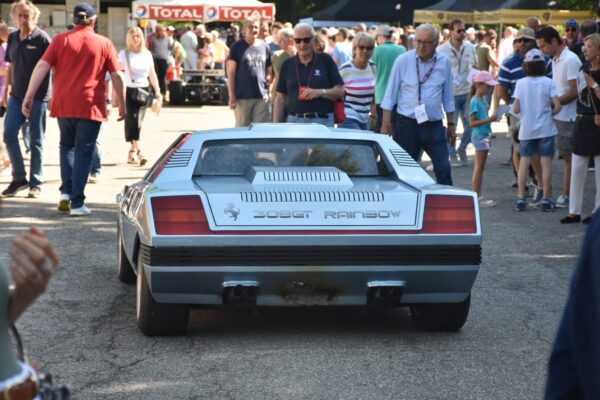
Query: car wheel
{"points": [[176, 93], [157, 319], [441, 316], [125, 270]]}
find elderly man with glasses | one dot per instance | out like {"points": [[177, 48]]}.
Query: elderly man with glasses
{"points": [[421, 86], [308, 83]]}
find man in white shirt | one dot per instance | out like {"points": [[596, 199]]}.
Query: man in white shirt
{"points": [[463, 57], [565, 74], [189, 41]]}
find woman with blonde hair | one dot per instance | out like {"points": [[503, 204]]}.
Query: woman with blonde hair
{"points": [[359, 83], [586, 133], [139, 74]]}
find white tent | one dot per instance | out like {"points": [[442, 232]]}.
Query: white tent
{"points": [[202, 10]]}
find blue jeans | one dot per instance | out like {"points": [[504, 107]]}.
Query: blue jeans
{"points": [[96, 164], [323, 121], [13, 120], [429, 137], [77, 141], [350, 123], [461, 109]]}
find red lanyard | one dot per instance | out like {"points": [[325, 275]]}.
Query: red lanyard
{"points": [[314, 61], [427, 75]]}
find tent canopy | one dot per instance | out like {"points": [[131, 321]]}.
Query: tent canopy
{"points": [[379, 10], [202, 10]]}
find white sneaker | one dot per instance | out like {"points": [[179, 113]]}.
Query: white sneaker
{"points": [[81, 211], [484, 203], [429, 168], [64, 204], [562, 201], [455, 162]]}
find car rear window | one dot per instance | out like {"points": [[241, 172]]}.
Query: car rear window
{"points": [[233, 157]]}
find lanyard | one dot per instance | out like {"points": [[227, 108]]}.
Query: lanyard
{"points": [[460, 56], [314, 61], [427, 75]]}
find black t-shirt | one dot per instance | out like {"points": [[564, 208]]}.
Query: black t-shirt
{"points": [[251, 69], [584, 105], [320, 73], [23, 56]]}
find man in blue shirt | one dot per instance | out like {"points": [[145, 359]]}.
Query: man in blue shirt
{"points": [[421, 86]]}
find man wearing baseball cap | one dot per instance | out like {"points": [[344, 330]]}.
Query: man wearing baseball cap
{"points": [[510, 72], [81, 59], [572, 38]]}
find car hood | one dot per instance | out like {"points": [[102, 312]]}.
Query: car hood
{"points": [[317, 198]]}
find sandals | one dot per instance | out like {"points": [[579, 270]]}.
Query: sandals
{"points": [[142, 159], [131, 158]]}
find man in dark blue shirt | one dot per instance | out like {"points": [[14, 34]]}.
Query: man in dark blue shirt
{"points": [[248, 68], [574, 368]]}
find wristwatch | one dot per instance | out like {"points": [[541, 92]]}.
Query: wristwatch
{"points": [[595, 86], [324, 92]]}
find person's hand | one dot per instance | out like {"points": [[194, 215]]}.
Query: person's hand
{"points": [[26, 106], [232, 102], [451, 134], [122, 112], [311, 94], [3, 101], [597, 120], [33, 261], [386, 128]]}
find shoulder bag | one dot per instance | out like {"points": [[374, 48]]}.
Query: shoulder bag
{"points": [[139, 96]]}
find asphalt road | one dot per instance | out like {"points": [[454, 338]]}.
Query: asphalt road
{"points": [[83, 329]]}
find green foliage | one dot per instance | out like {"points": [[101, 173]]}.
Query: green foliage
{"points": [[578, 4], [293, 10]]}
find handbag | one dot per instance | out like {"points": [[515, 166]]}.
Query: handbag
{"points": [[139, 96], [48, 389], [339, 114]]}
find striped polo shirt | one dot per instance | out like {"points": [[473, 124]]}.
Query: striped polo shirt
{"points": [[511, 71], [360, 89]]}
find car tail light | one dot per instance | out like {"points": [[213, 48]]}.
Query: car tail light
{"points": [[179, 215], [449, 214]]}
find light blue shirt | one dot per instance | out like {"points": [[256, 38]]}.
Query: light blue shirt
{"points": [[436, 92]]}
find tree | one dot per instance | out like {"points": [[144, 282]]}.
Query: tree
{"points": [[578, 4], [293, 10]]}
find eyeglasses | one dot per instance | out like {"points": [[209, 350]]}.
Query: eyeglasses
{"points": [[460, 31], [425, 42], [367, 48], [305, 40]]}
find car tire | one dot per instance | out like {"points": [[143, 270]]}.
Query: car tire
{"points": [[176, 97], [157, 319], [444, 317], [125, 269]]}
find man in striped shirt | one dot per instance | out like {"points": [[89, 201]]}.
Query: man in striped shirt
{"points": [[359, 83]]}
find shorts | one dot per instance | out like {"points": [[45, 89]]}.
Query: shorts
{"points": [[544, 147], [563, 139], [481, 143], [514, 124]]}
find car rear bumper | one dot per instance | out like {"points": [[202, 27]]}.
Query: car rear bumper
{"points": [[284, 285]]}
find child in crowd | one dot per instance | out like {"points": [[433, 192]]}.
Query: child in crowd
{"points": [[481, 126], [536, 101]]}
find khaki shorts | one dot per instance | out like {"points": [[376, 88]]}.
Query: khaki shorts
{"points": [[563, 138], [248, 111]]}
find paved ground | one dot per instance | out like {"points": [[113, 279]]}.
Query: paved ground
{"points": [[83, 329]]}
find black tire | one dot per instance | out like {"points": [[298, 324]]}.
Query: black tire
{"points": [[125, 269], [444, 317], [176, 95], [157, 319]]}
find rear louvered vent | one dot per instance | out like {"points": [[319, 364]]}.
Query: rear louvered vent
{"points": [[316, 196], [301, 176], [180, 158], [403, 158]]}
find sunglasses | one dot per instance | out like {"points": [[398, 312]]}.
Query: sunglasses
{"points": [[460, 31], [571, 30], [305, 40], [367, 48]]}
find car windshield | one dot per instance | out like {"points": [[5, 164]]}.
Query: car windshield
{"points": [[233, 157]]}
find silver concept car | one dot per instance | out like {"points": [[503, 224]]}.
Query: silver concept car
{"points": [[295, 215]]}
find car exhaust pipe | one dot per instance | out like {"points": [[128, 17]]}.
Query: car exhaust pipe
{"points": [[240, 293], [384, 293]]}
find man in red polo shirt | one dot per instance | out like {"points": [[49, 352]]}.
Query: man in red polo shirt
{"points": [[80, 59]]}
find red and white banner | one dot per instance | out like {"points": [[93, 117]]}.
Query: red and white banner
{"points": [[202, 12]]}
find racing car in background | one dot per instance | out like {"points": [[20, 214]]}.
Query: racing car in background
{"points": [[295, 215]]}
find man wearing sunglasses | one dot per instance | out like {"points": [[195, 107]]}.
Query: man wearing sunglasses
{"points": [[572, 38], [463, 57], [308, 83]]}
